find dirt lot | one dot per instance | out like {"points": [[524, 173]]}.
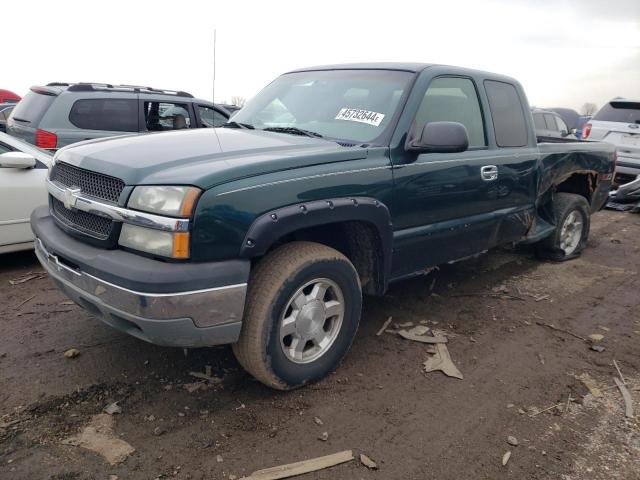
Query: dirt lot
{"points": [[380, 402]]}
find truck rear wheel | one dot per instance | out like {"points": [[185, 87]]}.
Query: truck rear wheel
{"points": [[573, 219], [303, 309]]}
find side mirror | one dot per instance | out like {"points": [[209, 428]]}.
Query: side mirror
{"points": [[17, 160], [441, 137]]}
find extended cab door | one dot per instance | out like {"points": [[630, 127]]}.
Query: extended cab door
{"points": [[448, 206]]}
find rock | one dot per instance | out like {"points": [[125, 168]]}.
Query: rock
{"points": [[98, 437], [72, 353], [324, 437], [596, 337], [597, 348], [510, 405], [317, 420], [511, 440], [367, 462], [521, 411], [232, 477], [113, 409], [158, 431], [219, 458], [506, 457], [604, 329]]}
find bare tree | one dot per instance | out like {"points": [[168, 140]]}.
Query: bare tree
{"points": [[238, 101], [589, 108]]}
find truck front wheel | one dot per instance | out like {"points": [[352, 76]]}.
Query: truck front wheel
{"points": [[303, 308], [571, 213]]}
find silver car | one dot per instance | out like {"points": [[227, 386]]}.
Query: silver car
{"points": [[59, 114], [618, 122]]}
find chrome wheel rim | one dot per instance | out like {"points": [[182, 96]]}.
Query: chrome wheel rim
{"points": [[311, 320], [571, 232]]}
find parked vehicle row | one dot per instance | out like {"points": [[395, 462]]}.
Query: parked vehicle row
{"points": [[59, 114], [549, 124], [618, 122], [330, 183], [23, 173]]}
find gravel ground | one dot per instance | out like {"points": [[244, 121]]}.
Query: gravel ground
{"points": [[380, 402]]}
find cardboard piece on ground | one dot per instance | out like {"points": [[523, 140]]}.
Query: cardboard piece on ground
{"points": [[98, 437], [422, 338], [298, 468], [442, 361]]}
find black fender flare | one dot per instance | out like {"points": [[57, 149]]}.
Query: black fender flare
{"points": [[273, 225]]}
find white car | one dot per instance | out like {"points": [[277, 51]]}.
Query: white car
{"points": [[618, 122], [23, 171]]}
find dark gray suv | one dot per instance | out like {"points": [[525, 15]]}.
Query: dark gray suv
{"points": [[60, 114]]}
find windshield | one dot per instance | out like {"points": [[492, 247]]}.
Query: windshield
{"points": [[354, 105]]}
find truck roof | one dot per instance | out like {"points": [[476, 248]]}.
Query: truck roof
{"points": [[412, 67]]}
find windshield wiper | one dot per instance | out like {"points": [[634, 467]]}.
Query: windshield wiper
{"points": [[233, 124], [293, 131]]}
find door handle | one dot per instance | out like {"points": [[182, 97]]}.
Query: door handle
{"points": [[489, 173]]}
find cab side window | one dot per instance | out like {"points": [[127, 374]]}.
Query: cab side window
{"points": [[453, 99], [507, 113]]}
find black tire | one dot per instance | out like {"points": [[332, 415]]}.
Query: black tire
{"points": [[564, 204], [274, 280]]}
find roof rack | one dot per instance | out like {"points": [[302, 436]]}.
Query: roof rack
{"points": [[57, 84], [105, 87]]}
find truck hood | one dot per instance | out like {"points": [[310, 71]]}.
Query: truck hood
{"points": [[203, 157]]}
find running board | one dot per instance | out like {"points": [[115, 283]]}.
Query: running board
{"points": [[541, 231]]}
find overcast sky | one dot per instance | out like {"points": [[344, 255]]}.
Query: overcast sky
{"points": [[565, 52]]}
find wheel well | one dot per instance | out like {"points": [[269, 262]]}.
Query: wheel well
{"points": [[579, 183], [358, 241]]}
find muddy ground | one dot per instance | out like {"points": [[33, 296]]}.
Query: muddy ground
{"points": [[380, 402]]}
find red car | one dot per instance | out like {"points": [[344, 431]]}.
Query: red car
{"points": [[6, 96]]}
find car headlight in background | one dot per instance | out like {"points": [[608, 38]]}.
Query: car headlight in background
{"points": [[155, 242], [165, 200]]}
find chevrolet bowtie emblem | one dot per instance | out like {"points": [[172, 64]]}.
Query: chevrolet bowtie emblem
{"points": [[70, 197]]}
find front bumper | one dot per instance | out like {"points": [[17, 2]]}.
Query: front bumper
{"points": [[171, 304]]}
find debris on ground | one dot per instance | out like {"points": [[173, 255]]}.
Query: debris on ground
{"points": [[206, 376], [98, 437], [591, 384], [442, 361], [506, 457], [384, 326], [511, 440], [112, 409], [299, 468], [626, 396], [404, 325], [367, 462], [219, 459], [317, 420], [558, 329], [24, 301], [195, 386], [596, 337], [324, 436], [27, 277], [421, 337], [597, 348], [71, 353]]}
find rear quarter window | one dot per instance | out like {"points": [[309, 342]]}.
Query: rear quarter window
{"points": [[623, 112], [507, 113], [110, 114], [32, 107]]}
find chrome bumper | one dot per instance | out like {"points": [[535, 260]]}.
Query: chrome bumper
{"points": [[185, 319]]}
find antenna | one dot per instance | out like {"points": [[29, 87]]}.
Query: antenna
{"points": [[213, 87]]}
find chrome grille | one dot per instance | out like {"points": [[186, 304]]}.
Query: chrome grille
{"points": [[88, 223], [90, 183]]}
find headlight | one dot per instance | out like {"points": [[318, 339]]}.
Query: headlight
{"points": [[156, 242], [165, 200]]}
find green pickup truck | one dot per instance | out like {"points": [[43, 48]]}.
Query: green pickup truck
{"points": [[332, 182]]}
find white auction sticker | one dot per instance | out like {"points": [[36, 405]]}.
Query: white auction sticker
{"points": [[358, 115]]}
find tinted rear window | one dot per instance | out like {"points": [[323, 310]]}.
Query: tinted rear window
{"points": [[113, 114], [624, 112], [32, 107], [508, 116]]}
